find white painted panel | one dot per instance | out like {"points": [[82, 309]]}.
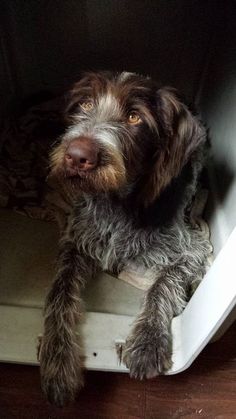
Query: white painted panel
{"points": [[208, 308], [20, 327], [192, 330]]}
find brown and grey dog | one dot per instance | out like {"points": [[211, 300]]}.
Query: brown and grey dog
{"points": [[130, 157]]}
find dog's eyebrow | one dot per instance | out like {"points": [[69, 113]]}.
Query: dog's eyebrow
{"points": [[125, 75], [108, 106]]}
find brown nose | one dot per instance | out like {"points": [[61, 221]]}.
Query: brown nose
{"points": [[81, 155]]}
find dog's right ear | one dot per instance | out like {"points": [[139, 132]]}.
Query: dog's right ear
{"points": [[180, 134]]}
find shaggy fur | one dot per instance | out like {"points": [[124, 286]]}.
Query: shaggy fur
{"points": [[131, 207]]}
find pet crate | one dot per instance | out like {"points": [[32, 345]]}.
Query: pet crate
{"points": [[186, 44]]}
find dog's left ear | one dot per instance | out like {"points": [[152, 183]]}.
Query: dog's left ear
{"points": [[181, 133]]}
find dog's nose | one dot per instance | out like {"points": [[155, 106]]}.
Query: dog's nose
{"points": [[81, 154]]}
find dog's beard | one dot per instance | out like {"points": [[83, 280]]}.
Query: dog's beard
{"points": [[110, 175]]}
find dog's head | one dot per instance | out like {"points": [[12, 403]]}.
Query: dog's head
{"points": [[124, 130]]}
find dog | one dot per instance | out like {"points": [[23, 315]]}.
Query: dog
{"points": [[130, 157]]}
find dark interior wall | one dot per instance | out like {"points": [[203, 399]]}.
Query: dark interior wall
{"points": [[46, 43], [218, 109]]}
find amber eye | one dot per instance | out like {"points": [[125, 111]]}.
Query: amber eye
{"points": [[87, 105], [134, 118]]}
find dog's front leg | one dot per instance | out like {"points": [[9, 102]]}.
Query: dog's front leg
{"points": [[59, 351], [148, 348]]}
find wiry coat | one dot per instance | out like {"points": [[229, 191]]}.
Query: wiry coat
{"points": [[130, 208]]}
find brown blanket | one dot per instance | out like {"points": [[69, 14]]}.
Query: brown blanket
{"points": [[25, 142]]}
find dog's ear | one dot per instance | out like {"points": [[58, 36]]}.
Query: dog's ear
{"points": [[180, 134]]}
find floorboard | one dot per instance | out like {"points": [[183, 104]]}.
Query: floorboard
{"points": [[206, 390]]}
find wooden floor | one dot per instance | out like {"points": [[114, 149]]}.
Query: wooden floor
{"points": [[206, 390]]}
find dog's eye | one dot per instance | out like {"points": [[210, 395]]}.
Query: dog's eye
{"points": [[87, 105], [134, 118]]}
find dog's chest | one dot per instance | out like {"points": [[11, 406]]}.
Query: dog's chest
{"points": [[104, 233]]}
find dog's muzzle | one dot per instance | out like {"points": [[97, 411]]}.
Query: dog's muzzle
{"points": [[81, 156]]}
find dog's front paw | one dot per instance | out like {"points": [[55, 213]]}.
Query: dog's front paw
{"points": [[60, 370], [147, 353]]}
